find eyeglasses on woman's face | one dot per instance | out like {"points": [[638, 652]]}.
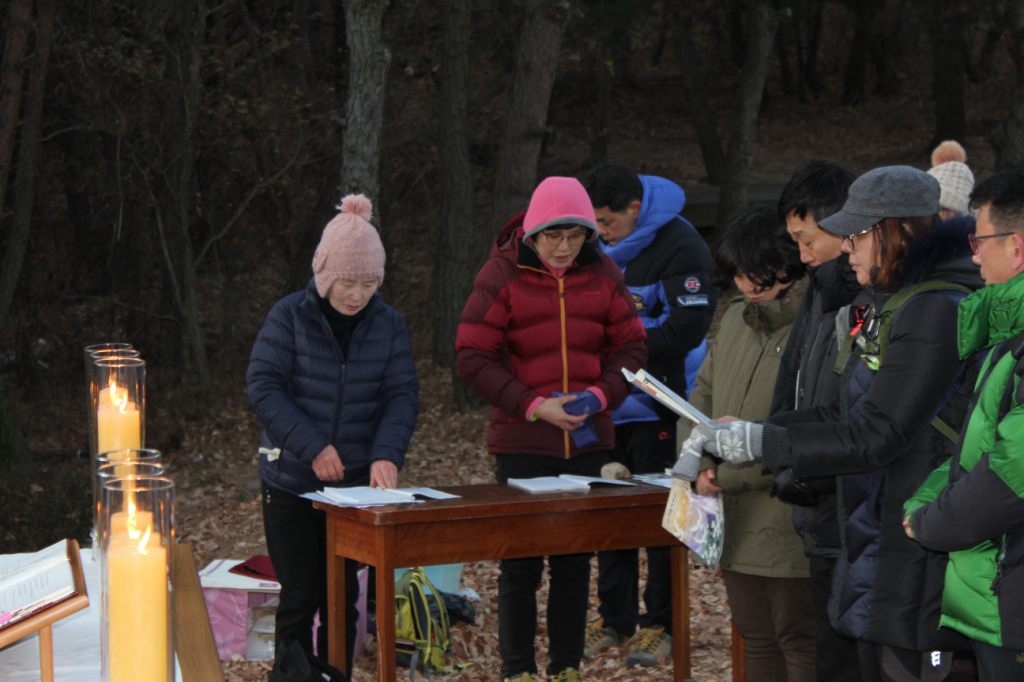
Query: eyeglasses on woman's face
{"points": [[556, 237], [973, 239], [851, 239]]}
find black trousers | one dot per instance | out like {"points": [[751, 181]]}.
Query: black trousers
{"points": [[998, 664], [297, 542], [837, 657], [643, 448], [570, 581]]}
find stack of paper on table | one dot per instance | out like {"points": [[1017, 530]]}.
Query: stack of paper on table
{"points": [[563, 483], [663, 480], [31, 582], [364, 496]]}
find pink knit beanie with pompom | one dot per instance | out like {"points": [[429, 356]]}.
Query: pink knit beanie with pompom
{"points": [[350, 247]]}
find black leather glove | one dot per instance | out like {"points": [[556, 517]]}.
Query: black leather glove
{"points": [[792, 490]]}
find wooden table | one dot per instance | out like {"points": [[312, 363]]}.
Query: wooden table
{"points": [[490, 522], [194, 643]]}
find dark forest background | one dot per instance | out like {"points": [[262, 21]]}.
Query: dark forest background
{"points": [[167, 166]]}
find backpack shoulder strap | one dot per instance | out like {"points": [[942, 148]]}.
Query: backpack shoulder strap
{"points": [[893, 306], [873, 335]]}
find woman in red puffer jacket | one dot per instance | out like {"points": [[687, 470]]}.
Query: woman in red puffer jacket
{"points": [[544, 338]]}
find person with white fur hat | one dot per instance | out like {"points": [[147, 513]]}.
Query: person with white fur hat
{"points": [[955, 178], [332, 380]]}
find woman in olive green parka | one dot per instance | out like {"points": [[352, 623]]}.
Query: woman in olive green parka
{"points": [[765, 570]]}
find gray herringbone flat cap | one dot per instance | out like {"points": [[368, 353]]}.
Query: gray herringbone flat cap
{"points": [[889, 192]]}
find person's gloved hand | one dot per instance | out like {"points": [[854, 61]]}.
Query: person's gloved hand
{"points": [[688, 465], [586, 403], [735, 442], [792, 490]]}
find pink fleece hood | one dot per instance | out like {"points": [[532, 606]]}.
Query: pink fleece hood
{"points": [[559, 202]]}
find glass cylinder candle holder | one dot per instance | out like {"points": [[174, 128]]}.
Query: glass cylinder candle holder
{"points": [[122, 462], [100, 352], [117, 404], [136, 630]]}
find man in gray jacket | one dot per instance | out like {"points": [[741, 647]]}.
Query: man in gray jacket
{"points": [[817, 190]]}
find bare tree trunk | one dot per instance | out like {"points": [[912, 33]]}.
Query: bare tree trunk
{"points": [[301, 47], [453, 262], [540, 41], [949, 66], [368, 69], [183, 42], [854, 86], [763, 23], [602, 116], [785, 35], [28, 161], [810, 70], [20, 21], [701, 113], [983, 70], [1008, 137]]}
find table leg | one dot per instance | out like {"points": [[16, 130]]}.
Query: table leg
{"points": [[385, 603], [46, 654], [680, 612], [336, 652]]}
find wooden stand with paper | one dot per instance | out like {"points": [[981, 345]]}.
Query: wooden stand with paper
{"points": [[42, 620]]}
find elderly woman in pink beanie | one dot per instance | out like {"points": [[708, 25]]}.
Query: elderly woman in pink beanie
{"points": [[332, 380]]}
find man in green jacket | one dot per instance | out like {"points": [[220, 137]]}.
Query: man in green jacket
{"points": [[973, 506]]}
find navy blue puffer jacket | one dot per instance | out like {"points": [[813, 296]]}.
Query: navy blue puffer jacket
{"points": [[308, 395]]}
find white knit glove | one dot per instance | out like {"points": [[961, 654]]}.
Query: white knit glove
{"points": [[735, 442], [688, 465]]}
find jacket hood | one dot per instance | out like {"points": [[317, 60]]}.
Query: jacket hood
{"points": [[991, 315], [662, 201], [836, 283], [559, 202], [943, 253], [766, 317]]}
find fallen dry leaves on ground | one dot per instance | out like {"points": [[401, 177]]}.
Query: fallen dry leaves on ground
{"points": [[219, 514]]}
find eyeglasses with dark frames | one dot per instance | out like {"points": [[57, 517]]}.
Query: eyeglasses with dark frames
{"points": [[973, 239], [851, 238], [555, 238]]}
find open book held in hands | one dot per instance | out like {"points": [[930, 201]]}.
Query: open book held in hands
{"points": [[30, 583], [664, 395], [563, 483]]}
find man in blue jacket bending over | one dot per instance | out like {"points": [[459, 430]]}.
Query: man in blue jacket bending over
{"points": [[667, 268]]}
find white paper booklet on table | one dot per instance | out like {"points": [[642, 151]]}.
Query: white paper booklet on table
{"points": [[563, 483], [366, 496], [31, 582]]}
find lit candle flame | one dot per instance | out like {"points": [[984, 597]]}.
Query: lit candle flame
{"points": [[130, 523], [145, 539], [119, 397]]}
